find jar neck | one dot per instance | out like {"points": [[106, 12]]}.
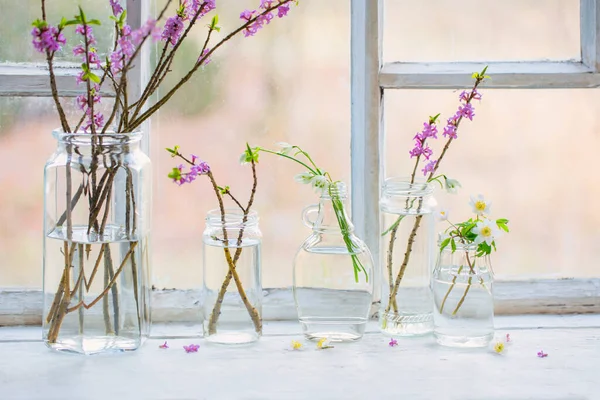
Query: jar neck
{"points": [[400, 195], [234, 219], [98, 144], [332, 216]]}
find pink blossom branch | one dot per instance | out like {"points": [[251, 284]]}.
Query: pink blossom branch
{"points": [[138, 121]]}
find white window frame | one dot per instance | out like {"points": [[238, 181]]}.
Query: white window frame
{"points": [[371, 77]]}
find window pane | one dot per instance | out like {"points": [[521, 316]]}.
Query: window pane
{"points": [[288, 83], [473, 30], [26, 143], [15, 27], [531, 153]]}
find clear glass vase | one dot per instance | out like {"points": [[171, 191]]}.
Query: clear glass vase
{"points": [[462, 286], [407, 246], [97, 193], [333, 284], [232, 291]]}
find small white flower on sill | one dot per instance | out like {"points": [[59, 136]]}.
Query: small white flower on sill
{"points": [[443, 214]]}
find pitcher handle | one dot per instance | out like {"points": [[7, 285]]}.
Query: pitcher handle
{"points": [[313, 208]]}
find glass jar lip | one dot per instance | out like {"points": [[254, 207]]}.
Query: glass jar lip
{"points": [[401, 186], [233, 218], [459, 246], [108, 138]]}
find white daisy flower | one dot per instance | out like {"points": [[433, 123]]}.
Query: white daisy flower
{"points": [[486, 231], [480, 206], [452, 185]]}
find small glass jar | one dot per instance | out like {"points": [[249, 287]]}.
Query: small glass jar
{"points": [[97, 193], [407, 246], [462, 286], [232, 290], [333, 285]]}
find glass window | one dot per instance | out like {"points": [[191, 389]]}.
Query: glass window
{"points": [[26, 143], [472, 30], [288, 83], [531, 153]]}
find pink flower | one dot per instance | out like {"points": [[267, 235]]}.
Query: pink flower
{"points": [[192, 348], [247, 14], [116, 7], [419, 149], [541, 354], [393, 342], [265, 4], [78, 50], [193, 6], [206, 60], [450, 131], [172, 30], [164, 346], [283, 10], [81, 101], [429, 131], [508, 338], [79, 78], [466, 111], [87, 32], [47, 39], [429, 167], [149, 28]]}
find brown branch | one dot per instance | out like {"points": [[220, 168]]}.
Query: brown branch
{"points": [[230, 274], [110, 284], [138, 121]]}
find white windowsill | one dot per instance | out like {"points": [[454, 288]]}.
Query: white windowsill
{"points": [[369, 369]]}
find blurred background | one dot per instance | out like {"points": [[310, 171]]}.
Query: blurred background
{"points": [[531, 153]]}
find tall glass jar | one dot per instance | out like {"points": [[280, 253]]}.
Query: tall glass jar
{"points": [[232, 291], [97, 193], [407, 247], [462, 287], [333, 283]]}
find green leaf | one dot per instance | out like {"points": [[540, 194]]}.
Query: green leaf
{"points": [[85, 68], [71, 22], [40, 24], [444, 244], [453, 244], [394, 225], [174, 151], [95, 78], [433, 119], [250, 155], [484, 71], [223, 190], [502, 226], [94, 22], [494, 245], [81, 15], [175, 174], [502, 221], [122, 17]]}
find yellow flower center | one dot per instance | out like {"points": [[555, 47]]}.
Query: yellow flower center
{"points": [[486, 231], [480, 205]]}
